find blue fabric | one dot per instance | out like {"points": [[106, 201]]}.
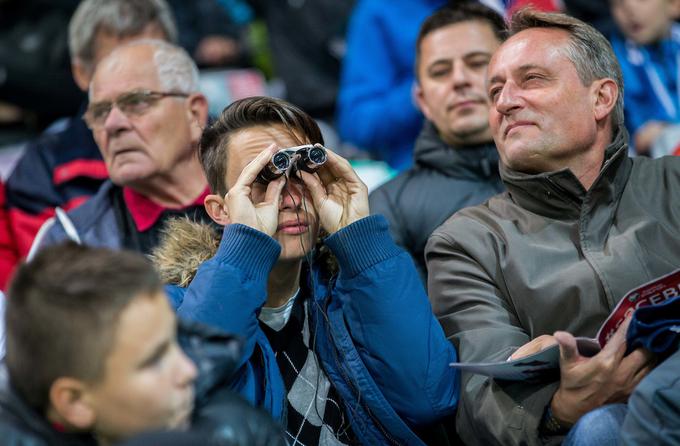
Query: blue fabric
{"points": [[375, 102], [641, 101], [599, 427], [376, 336], [656, 328], [94, 220], [654, 407]]}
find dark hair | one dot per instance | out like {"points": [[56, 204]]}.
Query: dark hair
{"points": [[464, 11], [243, 114], [62, 314], [589, 51]]}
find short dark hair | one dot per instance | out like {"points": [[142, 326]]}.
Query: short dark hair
{"points": [[246, 113], [62, 314], [464, 11]]}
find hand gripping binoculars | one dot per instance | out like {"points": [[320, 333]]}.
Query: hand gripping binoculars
{"points": [[308, 157]]}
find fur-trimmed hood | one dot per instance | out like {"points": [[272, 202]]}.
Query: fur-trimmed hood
{"points": [[184, 245]]}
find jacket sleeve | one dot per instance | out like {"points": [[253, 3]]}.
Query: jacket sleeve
{"points": [[230, 288], [391, 322], [375, 105], [469, 303]]}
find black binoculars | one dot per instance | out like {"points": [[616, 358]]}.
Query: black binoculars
{"points": [[308, 157]]}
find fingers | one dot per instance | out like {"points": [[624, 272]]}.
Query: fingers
{"points": [[637, 360], [274, 189], [616, 346], [568, 348], [249, 173], [315, 187], [534, 346], [337, 167]]}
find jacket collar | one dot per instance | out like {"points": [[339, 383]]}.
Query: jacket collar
{"points": [[560, 194], [31, 425], [145, 212], [470, 162]]}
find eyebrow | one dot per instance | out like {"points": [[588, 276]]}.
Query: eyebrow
{"points": [[447, 60], [156, 354], [520, 69]]}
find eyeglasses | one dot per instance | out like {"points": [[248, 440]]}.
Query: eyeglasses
{"points": [[132, 104]]}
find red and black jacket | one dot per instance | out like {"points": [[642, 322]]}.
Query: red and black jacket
{"points": [[63, 169]]}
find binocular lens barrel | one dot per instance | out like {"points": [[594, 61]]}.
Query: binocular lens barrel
{"points": [[276, 167], [308, 158]]}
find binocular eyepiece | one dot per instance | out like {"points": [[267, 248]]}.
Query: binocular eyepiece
{"points": [[308, 157]]}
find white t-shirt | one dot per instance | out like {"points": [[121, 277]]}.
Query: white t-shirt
{"points": [[277, 318]]}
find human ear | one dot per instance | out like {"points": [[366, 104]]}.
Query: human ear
{"points": [[216, 209], [81, 74], [197, 109], [70, 405], [419, 96], [605, 94]]}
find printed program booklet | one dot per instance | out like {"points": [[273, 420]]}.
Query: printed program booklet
{"points": [[546, 362]]}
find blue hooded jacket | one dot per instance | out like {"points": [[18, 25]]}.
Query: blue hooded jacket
{"points": [[376, 336]]}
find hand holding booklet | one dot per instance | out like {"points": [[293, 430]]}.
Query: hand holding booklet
{"points": [[546, 362]]}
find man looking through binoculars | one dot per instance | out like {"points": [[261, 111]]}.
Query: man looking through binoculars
{"points": [[341, 340]]}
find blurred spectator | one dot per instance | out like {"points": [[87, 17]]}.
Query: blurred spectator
{"points": [[376, 109], [307, 43], [594, 13], [36, 85], [647, 45], [64, 168], [456, 162], [209, 34], [146, 115], [96, 356]]}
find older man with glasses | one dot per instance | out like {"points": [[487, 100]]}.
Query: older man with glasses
{"points": [[146, 115]]}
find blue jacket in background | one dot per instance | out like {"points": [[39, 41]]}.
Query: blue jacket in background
{"points": [[375, 333], [375, 103], [650, 78]]}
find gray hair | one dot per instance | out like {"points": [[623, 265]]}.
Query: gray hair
{"points": [[176, 70], [589, 51], [121, 18]]}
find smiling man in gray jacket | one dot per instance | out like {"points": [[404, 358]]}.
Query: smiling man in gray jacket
{"points": [[580, 225]]}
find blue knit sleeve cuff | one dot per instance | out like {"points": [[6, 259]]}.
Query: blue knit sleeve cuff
{"points": [[362, 244], [248, 250]]}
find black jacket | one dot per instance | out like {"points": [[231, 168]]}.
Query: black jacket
{"points": [[220, 415], [443, 180]]}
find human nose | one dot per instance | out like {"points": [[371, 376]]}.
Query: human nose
{"points": [[291, 196], [116, 120], [460, 76], [507, 99], [186, 370]]}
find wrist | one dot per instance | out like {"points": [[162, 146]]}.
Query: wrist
{"points": [[559, 411], [551, 424]]}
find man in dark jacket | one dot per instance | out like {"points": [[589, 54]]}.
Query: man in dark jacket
{"points": [[456, 162], [580, 226], [93, 357]]}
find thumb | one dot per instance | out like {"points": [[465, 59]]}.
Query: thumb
{"points": [[568, 348]]}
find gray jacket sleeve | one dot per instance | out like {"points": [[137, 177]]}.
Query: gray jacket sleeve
{"points": [[465, 285]]}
